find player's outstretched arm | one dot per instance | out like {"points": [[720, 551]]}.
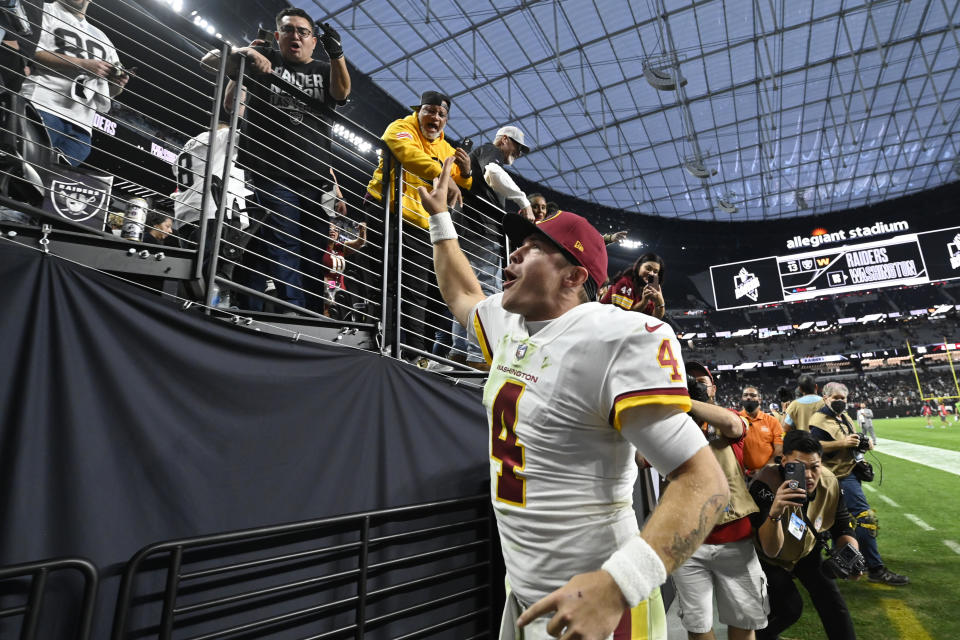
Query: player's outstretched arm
{"points": [[458, 284], [726, 422]]}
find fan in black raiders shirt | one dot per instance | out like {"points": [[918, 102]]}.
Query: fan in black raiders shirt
{"points": [[286, 143]]}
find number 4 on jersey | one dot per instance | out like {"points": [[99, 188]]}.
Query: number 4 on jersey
{"points": [[667, 360], [511, 488]]}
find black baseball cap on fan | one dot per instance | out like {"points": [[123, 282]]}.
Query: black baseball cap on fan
{"points": [[435, 98]]}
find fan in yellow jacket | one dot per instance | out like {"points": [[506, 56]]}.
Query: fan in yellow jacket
{"points": [[418, 142]]}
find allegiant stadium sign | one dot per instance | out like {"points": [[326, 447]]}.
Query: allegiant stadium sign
{"points": [[821, 236]]}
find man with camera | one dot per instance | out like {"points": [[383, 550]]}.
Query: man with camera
{"points": [[286, 142], [726, 563], [843, 451], [481, 220], [800, 504]]}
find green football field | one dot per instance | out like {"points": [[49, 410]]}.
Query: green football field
{"points": [[918, 509]]}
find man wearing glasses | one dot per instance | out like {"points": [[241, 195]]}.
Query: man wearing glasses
{"points": [[286, 144], [418, 142]]}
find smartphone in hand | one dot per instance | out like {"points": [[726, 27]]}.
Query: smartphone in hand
{"points": [[266, 35], [795, 472]]}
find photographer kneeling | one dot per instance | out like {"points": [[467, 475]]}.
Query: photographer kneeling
{"points": [[790, 529], [843, 451]]}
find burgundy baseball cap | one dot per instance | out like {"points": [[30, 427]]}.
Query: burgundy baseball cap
{"points": [[577, 238]]}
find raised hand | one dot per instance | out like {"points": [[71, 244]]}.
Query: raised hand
{"points": [[330, 40], [435, 200]]}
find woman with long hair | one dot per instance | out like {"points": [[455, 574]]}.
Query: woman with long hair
{"points": [[637, 288]]}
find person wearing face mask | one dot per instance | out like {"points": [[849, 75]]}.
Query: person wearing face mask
{"points": [[638, 288], [764, 440], [841, 454], [788, 534]]}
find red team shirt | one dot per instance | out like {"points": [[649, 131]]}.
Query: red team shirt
{"points": [[926, 410], [624, 294]]}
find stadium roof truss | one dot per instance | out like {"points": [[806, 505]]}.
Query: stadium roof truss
{"points": [[765, 109]]}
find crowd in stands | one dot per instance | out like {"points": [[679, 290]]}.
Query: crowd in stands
{"points": [[294, 241], [887, 390]]}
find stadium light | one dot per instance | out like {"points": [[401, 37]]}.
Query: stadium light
{"points": [[362, 145], [627, 243]]}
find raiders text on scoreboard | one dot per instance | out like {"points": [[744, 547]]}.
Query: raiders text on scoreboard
{"points": [[910, 259]]}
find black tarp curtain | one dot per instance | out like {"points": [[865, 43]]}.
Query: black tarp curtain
{"points": [[127, 421]]}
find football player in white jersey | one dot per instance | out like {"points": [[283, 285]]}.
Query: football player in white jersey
{"points": [[575, 389]]}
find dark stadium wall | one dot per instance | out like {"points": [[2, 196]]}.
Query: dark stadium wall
{"points": [[125, 421]]}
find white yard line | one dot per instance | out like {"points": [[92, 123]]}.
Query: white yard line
{"points": [[917, 521], [888, 500], [953, 546], [933, 457]]}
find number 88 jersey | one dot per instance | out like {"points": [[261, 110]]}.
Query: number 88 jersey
{"points": [[561, 474], [64, 33]]}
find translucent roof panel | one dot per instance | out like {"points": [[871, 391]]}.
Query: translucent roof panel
{"points": [[782, 109]]}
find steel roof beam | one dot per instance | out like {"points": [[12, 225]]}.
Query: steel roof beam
{"points": [[706, 96]]}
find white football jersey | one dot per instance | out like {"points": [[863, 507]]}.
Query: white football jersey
{"points": [[75, 96], [190, 169], [561, 473]]}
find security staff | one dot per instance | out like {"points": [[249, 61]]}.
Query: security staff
{"points": [[834, 429], [788, 532]]}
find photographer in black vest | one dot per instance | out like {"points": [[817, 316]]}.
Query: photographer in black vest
{"points": [[789, 531], [843, 451]]}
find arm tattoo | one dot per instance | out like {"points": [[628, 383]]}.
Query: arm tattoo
{"points": [[683, 547]]}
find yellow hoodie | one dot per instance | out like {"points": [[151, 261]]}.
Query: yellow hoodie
{"points": [[422, 161]]}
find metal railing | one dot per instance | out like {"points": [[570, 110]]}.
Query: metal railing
{"points": [[411, 572], [26, 586], [329, 253]]}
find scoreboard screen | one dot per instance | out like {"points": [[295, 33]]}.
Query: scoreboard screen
{"points": [[910, 259]]}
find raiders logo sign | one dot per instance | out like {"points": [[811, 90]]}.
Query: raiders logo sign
{"points": [[77, 201]]}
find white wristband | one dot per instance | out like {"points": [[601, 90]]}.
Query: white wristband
{"points": [[637, 570], [441, 227]]}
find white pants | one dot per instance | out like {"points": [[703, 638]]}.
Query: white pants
{"points": [[646, 621]]}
